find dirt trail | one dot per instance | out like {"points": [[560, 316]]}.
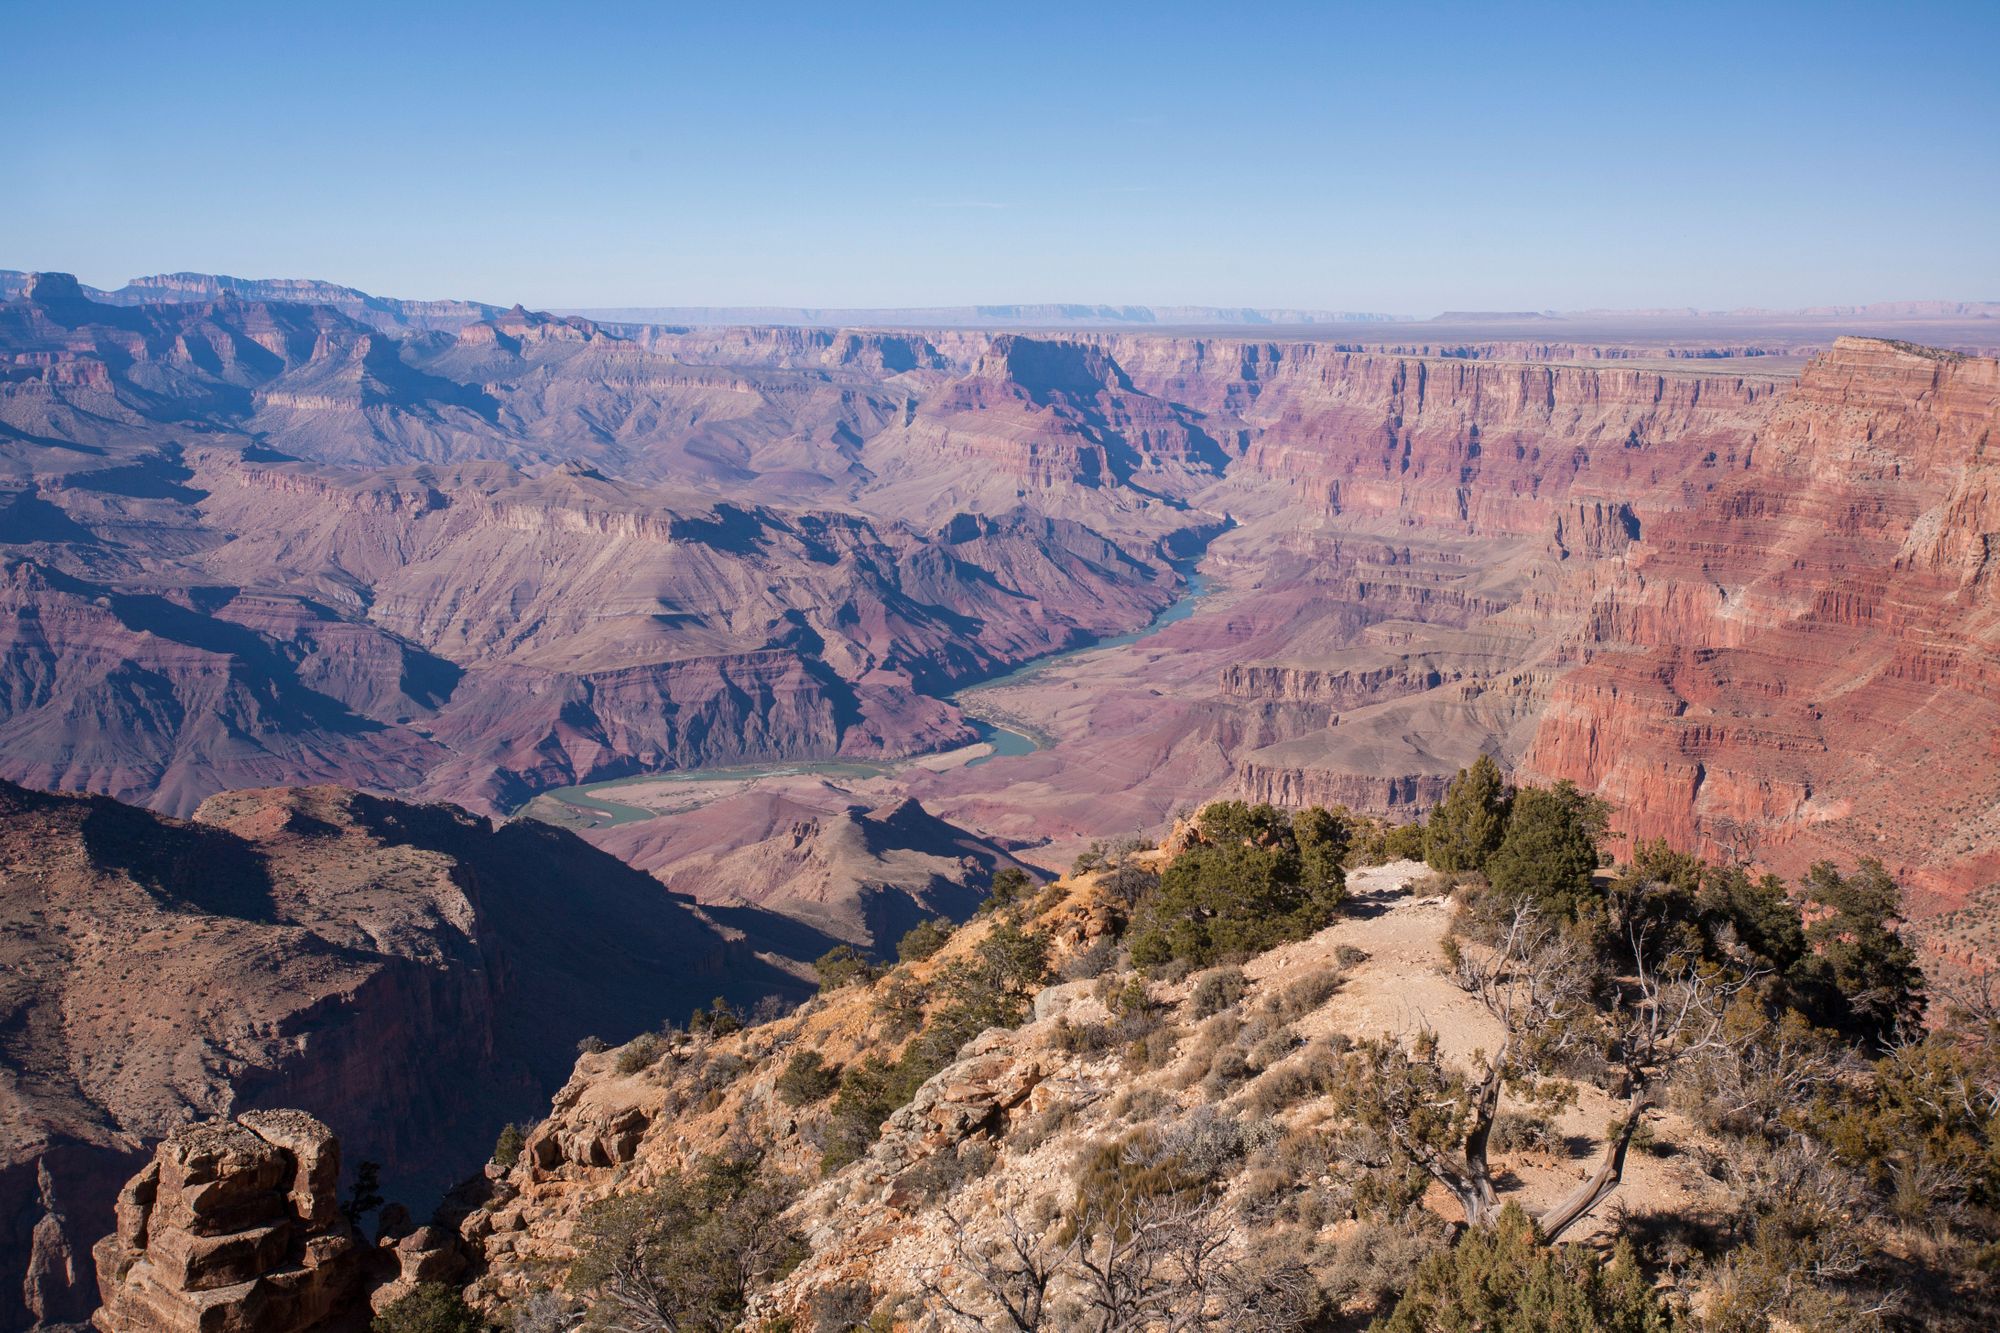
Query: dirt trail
{"points": [[1402, 987]]}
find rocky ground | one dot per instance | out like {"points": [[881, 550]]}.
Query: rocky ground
{"points": [[1005, 1130]]}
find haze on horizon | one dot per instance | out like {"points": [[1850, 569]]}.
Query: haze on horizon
{"points": [[1323, 157]]}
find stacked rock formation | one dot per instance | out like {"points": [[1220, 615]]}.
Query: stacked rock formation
{"points": [[232, 1227]]}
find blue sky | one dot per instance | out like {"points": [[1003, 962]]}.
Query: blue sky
{"points": [[1407, 159]]}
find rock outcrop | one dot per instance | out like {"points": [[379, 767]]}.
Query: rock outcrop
{"points": [[233, 1227]]}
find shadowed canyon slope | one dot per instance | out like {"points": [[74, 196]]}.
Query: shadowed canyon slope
{"points": [[256, 540], [412, 971]]}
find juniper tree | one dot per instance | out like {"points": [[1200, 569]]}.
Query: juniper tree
{"points": [[1469, 822]]}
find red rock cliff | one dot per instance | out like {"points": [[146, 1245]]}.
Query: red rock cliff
{"points": [[1807, 663]]}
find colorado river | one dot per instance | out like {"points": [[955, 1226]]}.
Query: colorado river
{"points": [[991, 725]]}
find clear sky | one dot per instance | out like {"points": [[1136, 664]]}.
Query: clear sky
{"points": [[1407, 159]]}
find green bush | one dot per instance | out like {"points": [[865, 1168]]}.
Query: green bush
{"points": [[1550, 849], [807, 1078], [718, 1020], [507, 1148], [843, 965], [991, 989], [1253, 880], [1405, 842], [432, 1308], [1010, 885], [1863, 959], [1466, 828], [924, 940], [1503, 1279]]}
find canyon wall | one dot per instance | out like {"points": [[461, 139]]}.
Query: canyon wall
{"points": [[1805, 664]]}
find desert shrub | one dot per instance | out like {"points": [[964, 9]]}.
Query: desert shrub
{"points": [[943, 1173], [1176, 1160], [1799, 1214], [1502, 1278], [1431, 884], [1270, 1049], [1525, 1131], [1155, 1049], [1093, 962], [1120, 992], [1308, 993], [1129, 885], [1209, 1041], [541, 1312], [1209, 1142], [1083, 1038], [844, 1307], [1053, 895], [1377, 1261], [1228, 1071], [1040, 1127], [692, 1249], [1115, 1176], [642, 1052], [1218, 990], [923, 940], [507, 1147], [843, 965], [433, 1307], [1010, 885], [1312, 1074], [592, 1046], [1140, 1105], [807, 1078], [1253, 880]]}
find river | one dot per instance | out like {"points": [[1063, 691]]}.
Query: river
{"points": [[991, 725]]}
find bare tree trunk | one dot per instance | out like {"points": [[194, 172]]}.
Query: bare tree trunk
{"points": [[1485, 1105], [1598, 1186]]}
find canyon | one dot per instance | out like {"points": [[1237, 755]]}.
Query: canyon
{"points": [[309, 592], [254, 538]]}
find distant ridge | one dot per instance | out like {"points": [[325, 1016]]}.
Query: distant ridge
{"points": [[975, 316], [387, 312], [1491, 316], [382, 312]]}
